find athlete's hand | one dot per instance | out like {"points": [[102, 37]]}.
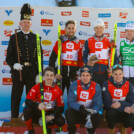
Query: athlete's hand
{"points": [[90, 63], [112, 43], [42, 106], [116, 105], [49, 118], [109, 70], [57, 76], [128, 110]]}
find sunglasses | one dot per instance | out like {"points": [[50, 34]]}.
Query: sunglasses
{"points": [[117, 65]]}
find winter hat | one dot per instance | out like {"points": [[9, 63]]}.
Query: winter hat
{"points": [[99, 22], [130, 25], [85, 68]]}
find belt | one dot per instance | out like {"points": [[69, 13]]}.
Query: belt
{"points": [[27, 64]]}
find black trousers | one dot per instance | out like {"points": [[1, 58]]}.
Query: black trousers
{"points": [[35, 115], [17, 90], [65, 83], [75, 117], [100, 78], [131, 79], [113, 116]]}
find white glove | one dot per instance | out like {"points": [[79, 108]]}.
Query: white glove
{"points": [[17, 66], [37, 79]]}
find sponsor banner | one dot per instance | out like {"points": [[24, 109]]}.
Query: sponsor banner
{"points": [[47, 22], [45, 62], [62, 23], [46, 42], [82, 33], [45, 13], [83, 23], [121, 24], [8, 23], [32, 12], [5, 71], [8, 33], [62, 32], [104, 15], [66, 13], [46, 31], [4, 63], [6, 81], [8, 12], [85, 13], [46, 52], [4, 42], [122, 34], [5, 52], [107, 34], [106, 25], [123, 15]]}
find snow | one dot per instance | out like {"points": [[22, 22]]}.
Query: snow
{"points": [[1, 122], [5, 115]]}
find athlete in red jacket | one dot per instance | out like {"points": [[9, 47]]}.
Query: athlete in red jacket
{"points": [[53, 103], [71, 55]]}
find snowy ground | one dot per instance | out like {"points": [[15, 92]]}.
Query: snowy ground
{"points": [[5, 115]]}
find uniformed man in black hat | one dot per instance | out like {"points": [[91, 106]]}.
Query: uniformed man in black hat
{"points": [[22, 59]]}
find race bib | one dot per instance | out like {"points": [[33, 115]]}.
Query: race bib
{"points": [[72, 56], [98, 44], [47, 96], [118, 92], [69, 45], [84, 95]]}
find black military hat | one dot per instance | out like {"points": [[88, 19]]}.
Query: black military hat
{"points": [[26, 12]]}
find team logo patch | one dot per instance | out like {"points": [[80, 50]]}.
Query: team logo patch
{"points": [[85, 69], [33, 90], [70, 46], [47, 96], [98, 45], [118, 92], [84, 95]]}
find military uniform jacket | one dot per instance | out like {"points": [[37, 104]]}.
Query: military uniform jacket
{"points": [[27, 51]]}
